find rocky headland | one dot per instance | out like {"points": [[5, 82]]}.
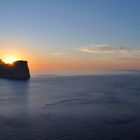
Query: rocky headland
{"points": [[18, 70]]}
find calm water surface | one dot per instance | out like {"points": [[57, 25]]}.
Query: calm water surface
{"points": [[103, 107]]}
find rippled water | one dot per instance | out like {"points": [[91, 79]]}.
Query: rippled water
{"points": [[102, 107]]}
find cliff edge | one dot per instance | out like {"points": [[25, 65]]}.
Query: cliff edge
{"points": [[17, 70]]}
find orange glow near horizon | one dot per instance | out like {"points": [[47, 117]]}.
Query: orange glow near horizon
{"points": [[45, 64], [79, 65], [44, 61]]}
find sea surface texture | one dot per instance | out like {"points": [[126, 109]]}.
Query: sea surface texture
{"points": [[97, 107]]}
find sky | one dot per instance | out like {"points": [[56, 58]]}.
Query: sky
{"points": [[71, 35]]}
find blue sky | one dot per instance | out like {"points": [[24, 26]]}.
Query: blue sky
{"points": [[65, 25], [79, 21]]}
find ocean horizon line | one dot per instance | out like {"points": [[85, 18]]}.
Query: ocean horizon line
{"points": [[112, 72]]}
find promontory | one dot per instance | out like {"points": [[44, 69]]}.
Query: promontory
{"points": [[17, 70]]}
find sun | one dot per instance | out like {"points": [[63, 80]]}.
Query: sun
{"points": [[10, 59]]}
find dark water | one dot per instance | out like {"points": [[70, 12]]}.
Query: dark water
{"points": [[103, 107]]}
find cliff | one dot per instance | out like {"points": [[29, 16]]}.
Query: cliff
{"points": [[17, 70]]}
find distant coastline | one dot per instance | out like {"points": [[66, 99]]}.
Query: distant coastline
{"points": [[90, 73]]}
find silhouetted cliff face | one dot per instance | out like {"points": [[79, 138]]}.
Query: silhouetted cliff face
{"points": [[17, 70]]}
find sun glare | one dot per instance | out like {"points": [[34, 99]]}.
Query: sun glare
{"points": [[10, 59]]}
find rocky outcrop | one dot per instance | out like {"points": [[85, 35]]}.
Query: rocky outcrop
{"points": [[17, 70]]}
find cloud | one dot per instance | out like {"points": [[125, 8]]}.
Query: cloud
{"points": [[57, 53], [106, 48]]}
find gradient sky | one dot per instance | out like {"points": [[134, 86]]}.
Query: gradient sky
{"points": [[71, 35]]}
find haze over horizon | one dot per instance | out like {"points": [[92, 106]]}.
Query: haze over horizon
{"points": [[65, 35]]}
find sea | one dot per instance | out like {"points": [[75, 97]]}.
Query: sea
{"points": [[71, 107]]}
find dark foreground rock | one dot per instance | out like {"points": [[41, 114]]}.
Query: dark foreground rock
{"points": [[18, 70]]}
